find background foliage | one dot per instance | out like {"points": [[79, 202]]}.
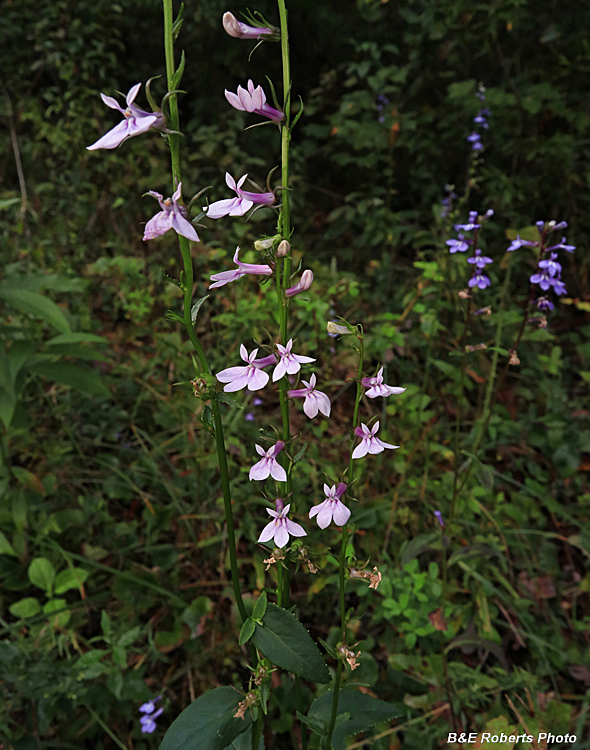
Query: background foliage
{"points": [[112, 548]]}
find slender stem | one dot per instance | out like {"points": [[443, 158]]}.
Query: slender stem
{"points": [[357, 403], [338, 680], [257, 733], [188, 292]]}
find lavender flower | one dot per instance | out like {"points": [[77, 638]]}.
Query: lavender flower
{"points": [[439, 518], [370, 443], [480, 118], [250, 376], [376, 387], [136, 122], [459, 245], [447, 201], [281, 527], [315, 401], [148, 721], [253, 100], [480, 260], [240, 205], [332, 509], [225, 277], [479, 280], [543, 303], [289, 363], [518, 243], [471, 224], [475, 140], [550, 266], [562, 245], [172, 216], [240, 30], [302, 285], [268, 465], [382, 101]]}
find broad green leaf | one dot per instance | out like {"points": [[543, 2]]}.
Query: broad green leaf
{"points": [[247, 631], [19, 354], [70, 578], [207, 722], [42, 574], [62, 616], [25, 607], [8, 403], [6, 547], [75, 376], [358, 712], [36, 305], [79, 351], [287, 644], [244, 741]]}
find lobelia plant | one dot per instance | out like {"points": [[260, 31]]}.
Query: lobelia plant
{"points": [[274, 637]]}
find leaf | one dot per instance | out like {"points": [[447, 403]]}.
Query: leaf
{"points": [[27, 607], [76, 338], [287, 644], [177, 77], [260, 607], [207, 722], [247, 631], [28, 479], [62, 616], [42, 574], [195, 308], [6, 547], [8, 403], [36, 305], [71, 578], [72, 375], [358, 710], [177, 25]]}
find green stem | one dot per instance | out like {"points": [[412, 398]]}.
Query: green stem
{"points": [[257, 733], [188, 281], [338, 680]]}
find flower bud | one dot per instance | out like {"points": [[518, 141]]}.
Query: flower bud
{"points": [[264, 244], [335, 329], [304, 284], [240, 30], [283, 249]]}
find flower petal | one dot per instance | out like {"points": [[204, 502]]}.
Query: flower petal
{"points": [[260, 471], [295, 529], [277, 472], [113, 138], [267, 532], [361, 449], [341, 514], [281, 536], [183, 227]]}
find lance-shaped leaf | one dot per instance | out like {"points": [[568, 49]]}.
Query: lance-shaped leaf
{"points": [[207, 722], [287, 644]]}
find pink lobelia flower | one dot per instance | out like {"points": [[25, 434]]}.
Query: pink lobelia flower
{"points": [[136, 122], [240, 30], [377, 387], [314, 400], [302, 285], [268, 465], [250, 376], [369, 442], [237, 206], [172, 216], [289, 363], [281, 527], [253, 100], [332, 509], [243, 269]]}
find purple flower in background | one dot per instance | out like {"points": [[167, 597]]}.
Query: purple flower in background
{"points": [[237, 206], [240, 30], [249, 416], [289, 363], [315, 401], [480, 118], [559, 287], [562, 245], [475, 140], [447, 201], [376, 386], [543, 303], [172, 216], [382, 101], [458, 245], [257, 401], [471, 224], [550, 266], [225, 277], [281, 527], [370, 443], [543, 280], [439, 518], [479, 280], [332, 509], [268, 465], [148, 720], [253, 100], [136, 122], [480, 260], [250, 376], [302, 285], [518, 242]]}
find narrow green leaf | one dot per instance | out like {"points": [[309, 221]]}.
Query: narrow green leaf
{"points": [[177, 25], [76, 338], [207, 722], [247, 631], [8, 402], [177, 77], [6, 547], [36, 305], [42, 574], [260, 607], [287, 644], [196, 307]]}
